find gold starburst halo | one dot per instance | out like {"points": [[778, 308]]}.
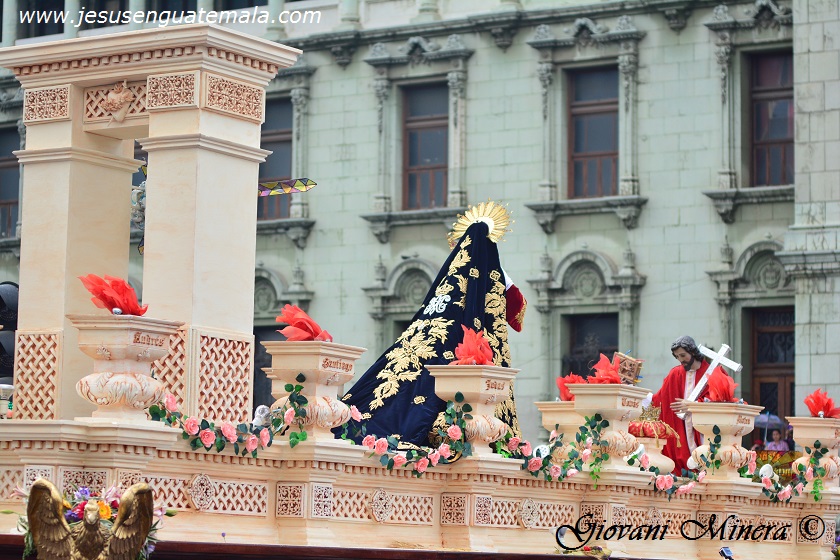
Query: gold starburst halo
{"points": [[496, 216]]}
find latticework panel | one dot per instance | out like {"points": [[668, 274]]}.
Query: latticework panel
{"points": [[170, 370], [554, 515], [413, 509], [290, 500], [453, 509], [9, 480], [34, 472], [598, 511], [36, 375], [224, 378], [505, 513], [675, 520], [173, 492], [245, 498], [71, 479], [350, 505], [483, 510], [322, 500], [96, 101]]}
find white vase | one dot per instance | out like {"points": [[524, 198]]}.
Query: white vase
{"points": [[562, 416], [483, 387], [123, 348], [327, 366], [807, 431], [734, 421]]}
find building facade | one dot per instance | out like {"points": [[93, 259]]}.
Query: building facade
{"points": [[672, 166]]}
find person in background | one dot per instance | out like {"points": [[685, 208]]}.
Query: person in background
{"points": [[777, 444]]}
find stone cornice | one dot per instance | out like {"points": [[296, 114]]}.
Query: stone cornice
{"points": [[297, 229], [627, 208], [726, 201], [381, 223], [189, 141], [177, 48], [101, 159]]}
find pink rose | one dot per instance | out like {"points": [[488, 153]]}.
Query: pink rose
{"points": [[380, 446], [585, 455], [751, 466], [752, 456], [444, 450], [191, 426], [685, 488], [664, 482], [644, 460], [170, 402], [207, 437], [589, 441], [355, 414], [571, 472], [251, 443], [553, 435], [454, 432], [785, 493], [422, 465], [526, 448], [534, 464], [265, 437], [555, 471], [369, 441], [809, 474], [229, 432], [399, 461], [513, 443], [700, 476], [434, 457], [289, 416], [767, 482], [800, 488]]}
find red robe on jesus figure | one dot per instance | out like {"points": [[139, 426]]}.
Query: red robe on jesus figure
{"points": [[678, 385]]}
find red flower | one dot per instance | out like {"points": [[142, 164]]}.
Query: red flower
{"points": [[110, 293], [821, 405], [474, 350], [606, 373], [565, 394], [301, 326], [721, 387]]}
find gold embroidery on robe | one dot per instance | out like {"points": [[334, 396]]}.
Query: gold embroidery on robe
{"points": [[474, 272], [416, 345], [449, 355], [419, 400]]}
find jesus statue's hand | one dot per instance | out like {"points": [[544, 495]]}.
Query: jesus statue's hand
{"points": [[680, 405]]}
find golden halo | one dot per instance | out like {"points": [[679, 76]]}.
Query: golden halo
{"points": [[494, 215]]}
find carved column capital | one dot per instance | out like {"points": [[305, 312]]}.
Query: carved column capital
{"points": [[545, 72]]}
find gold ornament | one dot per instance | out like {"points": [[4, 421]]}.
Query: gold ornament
{"points": [[496, 216]]}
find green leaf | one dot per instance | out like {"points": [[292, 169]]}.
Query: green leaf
{"points": [[459, 397], [298, 388], [466, 408], [817, 444], [392, 441], [194, 444], [383, 460], [236, 448], [468, 417], [302, 400], [301, 412], [220, 444], [300, 378], [289, 387], [716, 430], [303, 436], [242, 427], [204, 425], [185, 435]]}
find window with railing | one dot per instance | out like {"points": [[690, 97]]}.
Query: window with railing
{"points": [[771, 92], [277, 137], [593, 133], [9, 182], [425, 146]]}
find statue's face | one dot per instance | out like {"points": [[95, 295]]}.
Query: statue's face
{"points": [[92, 512], [684, 358]]}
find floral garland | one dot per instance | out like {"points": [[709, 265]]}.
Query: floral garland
{"points": [[260, 433], [812, 473]]}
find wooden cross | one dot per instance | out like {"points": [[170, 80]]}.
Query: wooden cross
{"points": [[718, 359]]}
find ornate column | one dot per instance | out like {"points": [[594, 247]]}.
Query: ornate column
{"points": [[348, 13], [72, 7], [723, 55], [10, 23], [300, 74], [628, 63], [457, 188], [382, 89], [276, 30], [427, 12], [548, 185]]}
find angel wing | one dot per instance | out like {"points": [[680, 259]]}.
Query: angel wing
{"points": [[50, 531], [133, 523]]}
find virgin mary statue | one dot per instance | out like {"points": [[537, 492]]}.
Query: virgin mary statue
{"points": [[396, 396]]}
